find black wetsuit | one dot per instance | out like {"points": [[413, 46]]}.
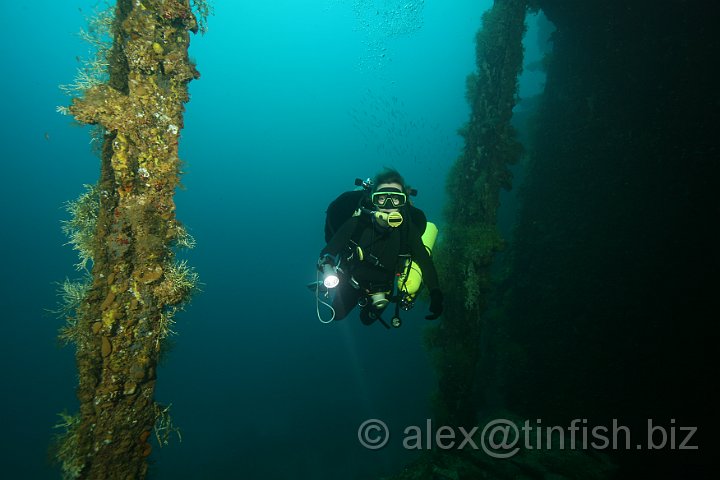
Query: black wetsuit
{"points": [[382, 248]]}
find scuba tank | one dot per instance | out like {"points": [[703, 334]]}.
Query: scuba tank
{"points": [[410, 280]]}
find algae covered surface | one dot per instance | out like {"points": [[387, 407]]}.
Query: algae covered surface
{"points": [[126, 227]]}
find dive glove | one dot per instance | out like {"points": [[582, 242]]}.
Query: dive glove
{"points": [[436, 304], [327, 259]]}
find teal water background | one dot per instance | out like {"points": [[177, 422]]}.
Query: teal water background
{"points": [[296, 100]]}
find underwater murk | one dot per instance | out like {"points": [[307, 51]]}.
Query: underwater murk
{"points": [[158, 257]]}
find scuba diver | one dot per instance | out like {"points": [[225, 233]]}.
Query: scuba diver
{"points": [[378, 252]]}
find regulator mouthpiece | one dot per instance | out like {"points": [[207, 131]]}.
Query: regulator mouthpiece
{"points": [[393, 219], [330, 278]]}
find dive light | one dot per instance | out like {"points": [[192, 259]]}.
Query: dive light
{"points": [[330, 277]]}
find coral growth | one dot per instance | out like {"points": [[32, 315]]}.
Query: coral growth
{"points": [[203, 9], [164, 426], [80, 229], [66, 444], [471, 237], [72, 294], [133, 91], [93, 71], [179, 282]]}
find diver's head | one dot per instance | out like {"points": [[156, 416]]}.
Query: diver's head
{"points": [[387, 200], [388, 196], [388, 193]]}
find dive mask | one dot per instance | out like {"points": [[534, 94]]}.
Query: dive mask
{"points": [[388, 198]]}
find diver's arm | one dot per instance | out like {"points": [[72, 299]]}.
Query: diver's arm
{"points": [[341, 238]]}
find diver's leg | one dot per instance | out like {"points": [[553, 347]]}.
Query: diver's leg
{"points": [[345, 300]]}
